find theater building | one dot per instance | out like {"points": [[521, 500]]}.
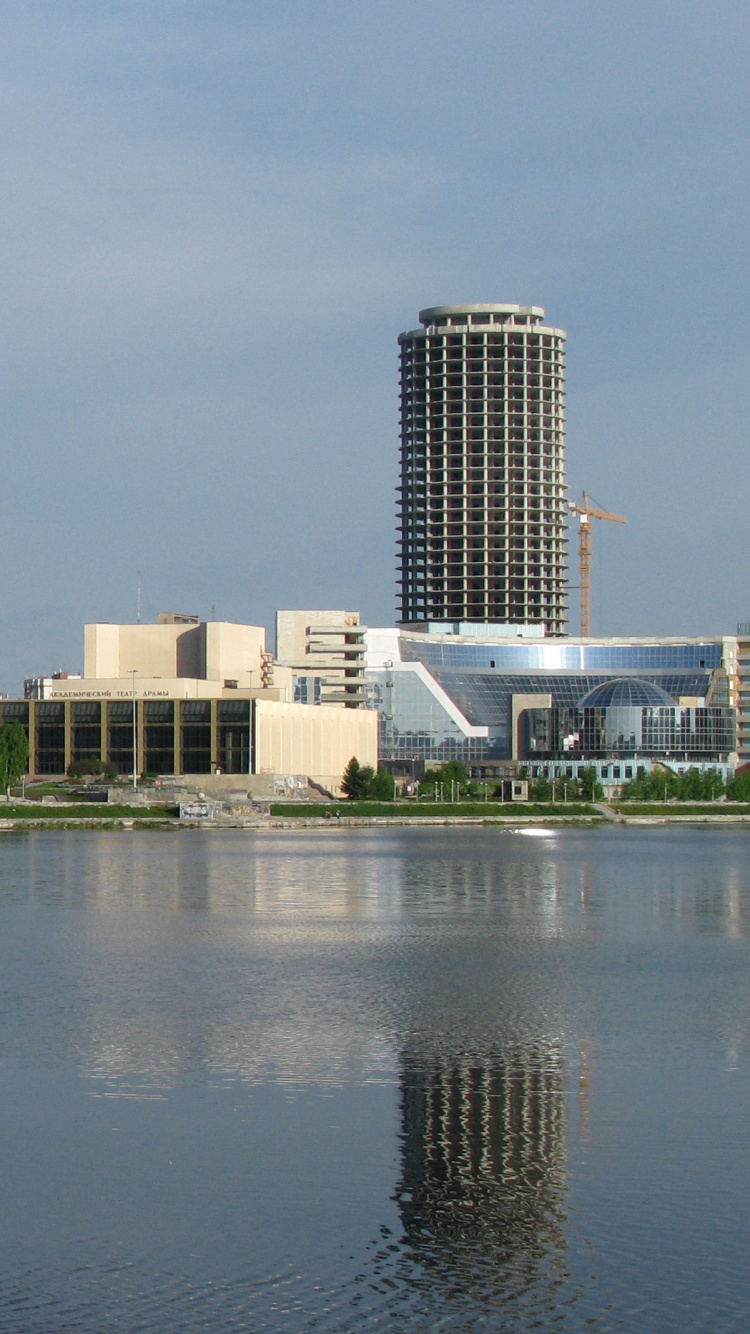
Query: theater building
{"points": [[186, 697]]}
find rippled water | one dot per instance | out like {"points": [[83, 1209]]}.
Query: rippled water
{"points": [[350, 1081]]}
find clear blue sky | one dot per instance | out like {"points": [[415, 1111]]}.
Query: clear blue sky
{"points": [[216, 219]]}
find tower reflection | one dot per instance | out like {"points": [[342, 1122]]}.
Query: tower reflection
{"points": [[482, 1184]]}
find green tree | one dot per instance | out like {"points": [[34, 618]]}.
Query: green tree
{"points": [[738, 788], [591, 788], [92, 767], [89, 767], [566, 789], [446, 774], [381, 787], [356, 780], [664, 785], [454, 772], [14, 754], [696, 785], [657, 785]]}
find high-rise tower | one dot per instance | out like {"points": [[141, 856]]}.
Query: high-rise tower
{"points": [[482, 495]]}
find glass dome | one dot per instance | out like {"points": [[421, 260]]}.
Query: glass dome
{"points": [[626, 692]]}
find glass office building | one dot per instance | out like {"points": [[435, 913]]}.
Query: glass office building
{"points": [[420, 725], [443, 699], [630, 719]]}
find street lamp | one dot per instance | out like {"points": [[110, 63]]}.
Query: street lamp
{"points": [[134, 672]]}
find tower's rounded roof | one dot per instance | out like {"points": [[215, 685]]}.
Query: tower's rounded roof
{"points": [[432, 313], [628, 692]]}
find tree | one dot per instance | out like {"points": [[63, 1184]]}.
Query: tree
{"points": [[454, 772], [356, 780], [14, 754], [699, 785], [89, 767], [446, 775], [92, 767], [566, 789], [381, 786], [591, 788], [658, 785], [738, 788], [663, 785]]}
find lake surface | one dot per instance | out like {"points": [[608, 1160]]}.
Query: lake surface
{"points": [[444, 1079]]}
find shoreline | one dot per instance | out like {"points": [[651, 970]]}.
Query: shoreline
{"points": [[33, 824]]}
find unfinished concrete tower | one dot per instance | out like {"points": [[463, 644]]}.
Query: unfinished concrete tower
{"points": [[482, 532]]}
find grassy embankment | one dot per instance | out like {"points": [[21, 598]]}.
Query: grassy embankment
{"points": [[86, 810], [420, 809], [479, 810], [725, 808]]}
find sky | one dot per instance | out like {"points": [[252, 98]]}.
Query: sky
{"points": [[217, 218]]}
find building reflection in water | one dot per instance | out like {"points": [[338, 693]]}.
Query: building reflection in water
{"points": [[289, 958], [279, 875], [483, 1168], [287, 875]]}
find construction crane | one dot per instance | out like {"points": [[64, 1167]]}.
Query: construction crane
{"points": [[586, 511]]}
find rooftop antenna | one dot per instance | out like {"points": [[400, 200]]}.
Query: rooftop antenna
{"points": [[139, 597]]}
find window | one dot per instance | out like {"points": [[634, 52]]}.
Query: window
{"points": [[195, 736], [234, 736], [120, 734], [50, 738], [158, 735], [86, 718], [12, 711]]}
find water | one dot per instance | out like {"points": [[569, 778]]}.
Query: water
{"points": [[354, 1081]]}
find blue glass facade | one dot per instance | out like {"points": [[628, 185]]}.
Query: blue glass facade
{"points": [[626, 692], [555, 654], [677, 734], [415, 726], [480, 679], [486, 699]]}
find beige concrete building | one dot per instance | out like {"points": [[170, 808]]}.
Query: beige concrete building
{"points": [[326, 653], [222, 652], [170, 699], [319, 742]]}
